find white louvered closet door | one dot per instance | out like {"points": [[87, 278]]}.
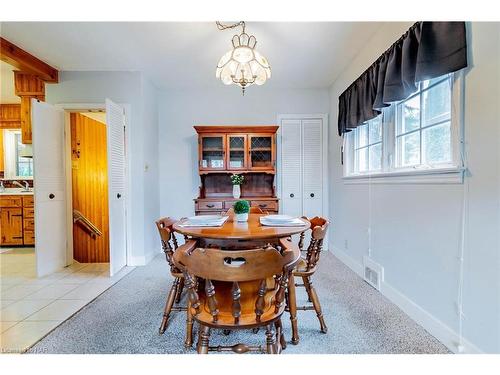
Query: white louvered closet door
{"points": [[115, 124], [50, 192], [291, 167], [312, 167]]}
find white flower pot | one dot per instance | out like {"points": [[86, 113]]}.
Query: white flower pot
{"points": [[236, 191], [241, 217]]}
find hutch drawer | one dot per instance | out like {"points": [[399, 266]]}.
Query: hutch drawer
{"points": [[210, 205], [265, 205]]}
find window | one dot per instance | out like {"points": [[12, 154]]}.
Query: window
{"points": [[423, 125], [24, 165], [368, 146], [18, 157], [412, 136]]}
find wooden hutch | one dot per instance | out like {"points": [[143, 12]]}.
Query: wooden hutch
{"points": [[247, 150]]}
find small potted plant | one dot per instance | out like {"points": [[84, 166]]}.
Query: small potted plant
{"points": [[241, 209], [237, 180]]}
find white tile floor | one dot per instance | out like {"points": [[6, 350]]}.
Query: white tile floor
{"points": [[31, 307]]}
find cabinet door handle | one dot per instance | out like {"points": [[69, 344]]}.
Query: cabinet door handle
{"points": [[210, 205], [292, 195], [52, 196], [312, 195]]}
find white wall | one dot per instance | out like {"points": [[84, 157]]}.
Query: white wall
{"points": [[416, 229], [151, 171], [133, 89], [180, 110]]}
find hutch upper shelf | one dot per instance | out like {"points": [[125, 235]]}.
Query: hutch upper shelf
{"points": [[237, 149]]}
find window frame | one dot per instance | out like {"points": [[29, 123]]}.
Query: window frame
{"points": [[449, 172]]}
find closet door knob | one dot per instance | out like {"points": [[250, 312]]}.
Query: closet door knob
{"points": [[312, 195], [292, 195], [51, 196]]}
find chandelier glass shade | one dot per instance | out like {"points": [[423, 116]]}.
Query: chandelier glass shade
{"points": [[243, 65]]}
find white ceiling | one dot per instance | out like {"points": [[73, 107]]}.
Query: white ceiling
{"points": [[7, 90], [185, 54]]}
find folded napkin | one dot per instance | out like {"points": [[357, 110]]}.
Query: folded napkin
{"points": [[296, 222], [208, 223]]}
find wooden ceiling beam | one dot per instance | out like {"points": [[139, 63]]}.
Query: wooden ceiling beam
{"points": [[24, 61]]}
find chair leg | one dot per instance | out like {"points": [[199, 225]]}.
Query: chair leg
{"points": [[203, 340], [179, 291], [280, 335], [292, 306], [270, 340], [189, 327], [311, 292], [168, 305]]}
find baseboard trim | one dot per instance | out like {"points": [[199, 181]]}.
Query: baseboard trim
{"points": [[430, 323], [143, 260]]}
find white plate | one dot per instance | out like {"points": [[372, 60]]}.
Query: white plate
{"points": [[278, 218], [204, 218]]}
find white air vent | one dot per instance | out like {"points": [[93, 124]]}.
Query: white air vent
{"points": [[373, 272]]}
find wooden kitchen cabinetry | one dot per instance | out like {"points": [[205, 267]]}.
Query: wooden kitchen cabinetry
{"points": [[247, 150], [17, 221]]}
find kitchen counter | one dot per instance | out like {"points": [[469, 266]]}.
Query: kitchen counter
{"points": [[16, 191]]}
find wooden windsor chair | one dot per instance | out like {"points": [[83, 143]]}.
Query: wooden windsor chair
{"points": [[305, 269], [170, 245], [238, 289]]}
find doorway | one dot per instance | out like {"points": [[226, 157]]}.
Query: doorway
{"points": [[89, 187], [54, 214]]}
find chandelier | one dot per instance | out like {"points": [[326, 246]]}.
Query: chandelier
{"points": [[243, 65]]}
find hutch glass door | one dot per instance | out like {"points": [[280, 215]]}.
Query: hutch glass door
{"points": [[261, 152], [212, 152], [236, 145]]}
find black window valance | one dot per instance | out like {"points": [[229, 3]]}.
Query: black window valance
{"points": [[427, 50]]}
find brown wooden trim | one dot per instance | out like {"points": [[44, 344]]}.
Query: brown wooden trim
{"points": [[236, 129], [22, 60]]}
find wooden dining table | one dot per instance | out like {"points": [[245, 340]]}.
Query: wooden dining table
{"points": [[247, 235], [232, 230]]}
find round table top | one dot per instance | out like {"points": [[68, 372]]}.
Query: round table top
{"points": [[233, 230]]}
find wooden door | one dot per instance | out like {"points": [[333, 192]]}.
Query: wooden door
{"points": [[212, 151], [291, 167], [90, 188], [50, 192], [115, 126], [236, 152], [261, 152], [11, 222]]}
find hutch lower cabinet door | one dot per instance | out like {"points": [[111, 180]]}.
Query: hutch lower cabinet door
{"points": [[302, 165]]}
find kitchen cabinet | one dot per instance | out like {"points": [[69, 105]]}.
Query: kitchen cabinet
{"points": [[17, 221]]}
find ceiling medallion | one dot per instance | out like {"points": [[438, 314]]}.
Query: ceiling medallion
{"points": [[243, 65]]}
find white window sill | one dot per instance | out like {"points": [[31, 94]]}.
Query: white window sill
{"points": [[452, 175]]}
